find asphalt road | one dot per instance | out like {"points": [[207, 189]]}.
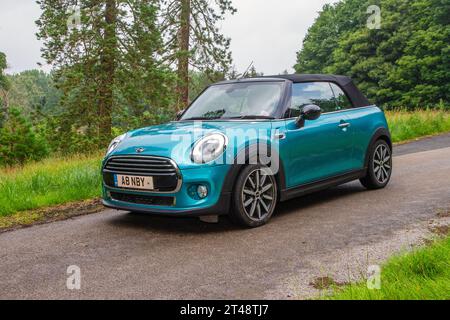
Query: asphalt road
{"points": [[123, 255]]}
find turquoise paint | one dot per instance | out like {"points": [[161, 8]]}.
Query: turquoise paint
{"points": [[322, 149], [211, 176], [319, 150]]}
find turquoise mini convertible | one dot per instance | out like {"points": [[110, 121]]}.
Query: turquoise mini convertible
{"points": [[244, 145]]}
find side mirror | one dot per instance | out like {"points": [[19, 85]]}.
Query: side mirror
{"points": [[180, 114], [310, 112]]}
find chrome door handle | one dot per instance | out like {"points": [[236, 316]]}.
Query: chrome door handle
{"points": [[344, 125]]}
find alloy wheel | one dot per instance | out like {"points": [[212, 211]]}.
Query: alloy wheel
{"points": [[259, 194], [382, 163]]}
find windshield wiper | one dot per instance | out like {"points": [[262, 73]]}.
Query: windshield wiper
{"points": [[230, 118], [252, 117], [200, 118]]}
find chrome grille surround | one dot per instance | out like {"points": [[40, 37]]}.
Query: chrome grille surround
{"points": [[134, 165]]}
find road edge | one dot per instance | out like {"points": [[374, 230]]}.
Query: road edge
{"points": [[26, 219]]}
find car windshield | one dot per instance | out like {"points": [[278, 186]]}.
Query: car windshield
{"points": [[245, 100]]}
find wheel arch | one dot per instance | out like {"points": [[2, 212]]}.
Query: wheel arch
{"points": [[252, 152], [380, 134]]}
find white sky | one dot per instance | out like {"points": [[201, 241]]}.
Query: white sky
{"points": [[267, 32]]}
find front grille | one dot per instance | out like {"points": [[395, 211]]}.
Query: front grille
{"points": [[147, 166], [146, 200], [164, 172]]}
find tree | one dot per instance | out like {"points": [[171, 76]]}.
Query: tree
{"points": [[106, 59], [319, 42], [192, 39], [403, 64], [19, 142], [35, 92], [4, 88]]}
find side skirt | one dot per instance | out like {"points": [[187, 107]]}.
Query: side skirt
{"points": [[321, 185]]}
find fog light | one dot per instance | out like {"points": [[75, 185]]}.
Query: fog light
{"points": [[202, 191]]}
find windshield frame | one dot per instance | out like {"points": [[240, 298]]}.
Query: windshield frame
{"points": [[278, 114]]}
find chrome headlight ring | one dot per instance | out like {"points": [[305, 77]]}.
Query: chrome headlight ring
{"points": [[115, 142], [209, 148]]}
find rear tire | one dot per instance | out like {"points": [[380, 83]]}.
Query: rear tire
{"points": [[255, 197], [379, 169]]}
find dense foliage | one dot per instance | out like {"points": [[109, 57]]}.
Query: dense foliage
{"points": [[19, 141], [35, 92], [106, 65], [4, 87], [404, 63]]}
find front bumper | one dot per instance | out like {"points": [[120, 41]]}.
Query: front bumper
{"points": [[216, 178]]}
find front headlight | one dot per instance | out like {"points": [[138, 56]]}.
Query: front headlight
{"points": [[209, 148], [115, 142]]}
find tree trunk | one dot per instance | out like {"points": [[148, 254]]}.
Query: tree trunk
{"points": [[108, 66], [183, 58]]}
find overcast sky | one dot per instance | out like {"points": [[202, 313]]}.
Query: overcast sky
{"points": [[267, 32]]}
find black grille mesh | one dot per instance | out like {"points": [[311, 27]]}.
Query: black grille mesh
{"points": [[146, 200]]}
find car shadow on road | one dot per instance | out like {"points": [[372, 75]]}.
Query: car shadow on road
{"points": [[300, 204], [181, 225]]}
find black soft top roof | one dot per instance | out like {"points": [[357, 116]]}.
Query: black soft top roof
{"points": [[356, 97], [346, 83], [298, 78]]}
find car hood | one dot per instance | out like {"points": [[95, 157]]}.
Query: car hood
{"points": [[175, 140]]}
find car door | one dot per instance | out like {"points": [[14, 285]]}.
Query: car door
{"points": [[354, 119], [323, 147]]}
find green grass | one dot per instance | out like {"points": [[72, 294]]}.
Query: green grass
{"points": [[423, 274], [48, 183], [406, 125]]}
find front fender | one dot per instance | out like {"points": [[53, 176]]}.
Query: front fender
{"points": [[251, 155], [380, 133]]}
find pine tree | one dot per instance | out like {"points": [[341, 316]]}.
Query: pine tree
{"points": [[35, 93], [192, 39], [4, 88], [19, 141], [106, 59]]}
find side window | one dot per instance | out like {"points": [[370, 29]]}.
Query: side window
{"points": [[318, 93], [342, 100]]}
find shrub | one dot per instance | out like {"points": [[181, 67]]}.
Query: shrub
{"points": [[19, 142]]}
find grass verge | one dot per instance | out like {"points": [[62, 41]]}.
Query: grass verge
{"points": [[423, 274], [407, 125], [56, 213], [48, 183]]}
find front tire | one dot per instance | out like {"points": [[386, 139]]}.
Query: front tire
{"points": [[379, 170], [254, 197]]}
